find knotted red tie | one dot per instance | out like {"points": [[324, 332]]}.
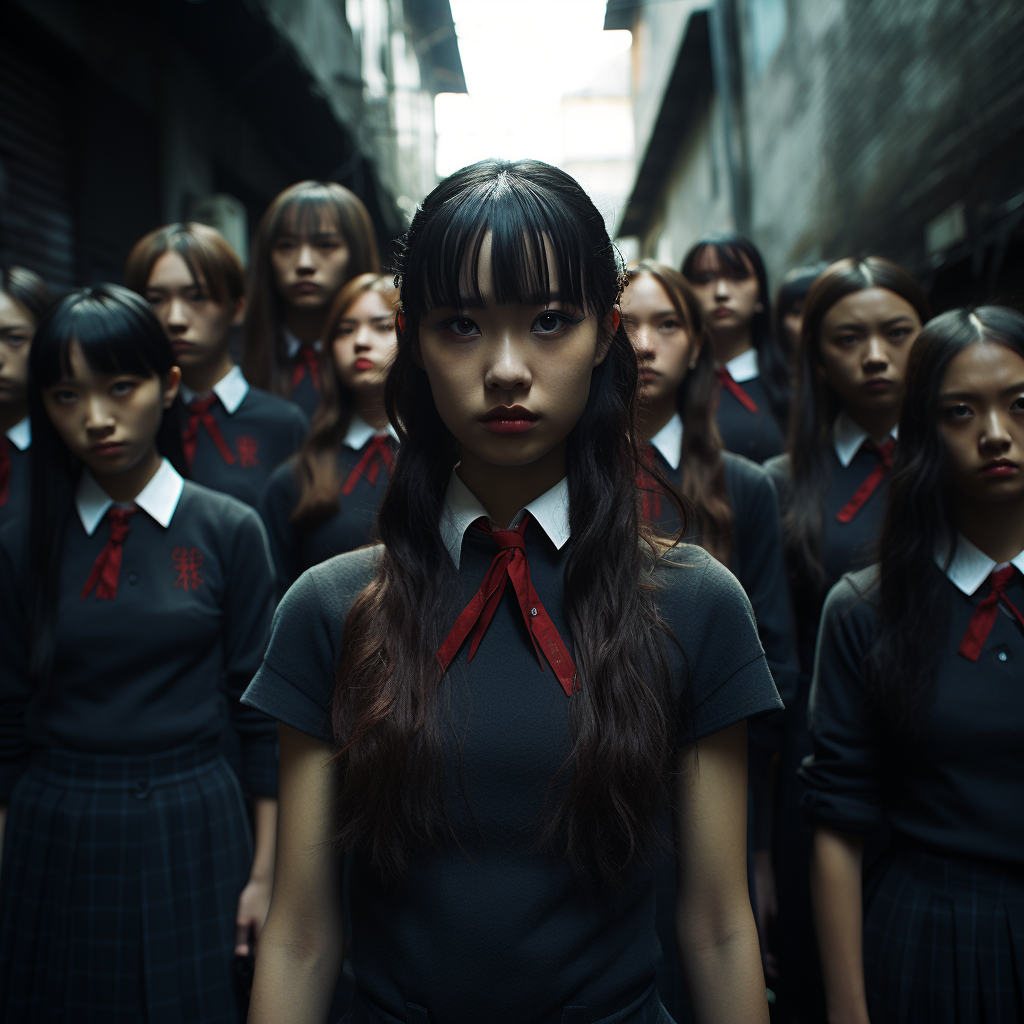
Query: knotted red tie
{"points": [[5, 469], [378, 452], [725, 379], [984, 616], [306, 361], [871, 481], [650, 492], [199, 412], [510, 563], [107, 567]]}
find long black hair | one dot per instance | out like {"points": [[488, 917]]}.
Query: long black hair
{"points": [[387, 719], [796, 283], [27, 288], [117, 333], [772, 364], [914, 613]]}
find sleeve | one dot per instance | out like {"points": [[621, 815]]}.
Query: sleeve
{"points": [[278, 500], [15, 688], [843, 775], [248, 606]]}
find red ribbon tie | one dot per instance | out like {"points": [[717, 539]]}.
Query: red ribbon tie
{"points": [[377, 452], [107, 567], [5, 469], [200, 412], [510, 563], [306, 361], [726, 380], [885, 452], [984, 616]]}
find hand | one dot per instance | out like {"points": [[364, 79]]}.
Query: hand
{"points": [[253, 905], [767, 909]]}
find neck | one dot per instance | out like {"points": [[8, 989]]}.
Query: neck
{"points": [[202, 378], [654, 415], [11, 413], [504, 490], [369, 406], [996, 528], [126, 486], [306, 324], [729, 342], [877, 423]]}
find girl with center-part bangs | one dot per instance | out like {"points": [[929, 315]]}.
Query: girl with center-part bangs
{"points": [[917, 711], [496, 707], [314, 237], [131, 602]]}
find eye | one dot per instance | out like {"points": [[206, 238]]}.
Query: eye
{"points": [[198, 295], [960, 411], [846, 339], [15, 338], [671, 325], [551, 322], [63, 396], [121, 388], [154, 298], [386, 328], [344, 331], [1018, 404], [283, 245], [899, 333], [462, 326]]}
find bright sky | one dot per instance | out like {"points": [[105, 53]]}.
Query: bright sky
{"points": [[520, 57]]}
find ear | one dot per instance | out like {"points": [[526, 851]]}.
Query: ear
{"points": [[171, 383], [604, 339], [239, 316]]}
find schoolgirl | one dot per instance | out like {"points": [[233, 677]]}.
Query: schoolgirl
{"points": [[500, 794], [728, 275], [859, 324], [314, 237], [128, 874], [788, 308], [234, 435], [917, 711], [24, 298], [325, 500]]}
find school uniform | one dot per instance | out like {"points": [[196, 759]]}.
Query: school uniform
{"points": [[745, 419], [126, 844], [855, 501], [488, 926], [14, 445], [944, 917], [364, 462], [236, 435], [304, 372]]}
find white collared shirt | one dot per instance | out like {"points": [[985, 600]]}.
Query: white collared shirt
{"points": [[359, 432], [20, 435], [462, 508], [744, 367], [292, 344], [159, 498], [847, 437], [669, 441], [971, 567], [231, 389]]}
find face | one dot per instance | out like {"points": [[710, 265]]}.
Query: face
{"points": [[108, 420], [510, 381], [364, 343], [728, 297], [981, 422], [17, 326], [865, 341], [309, 266], [663, 343], [196, 325]]}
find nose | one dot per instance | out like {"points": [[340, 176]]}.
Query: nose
{"points": [[995, 436], [363, 338], [98, 418], [643, 341], [876, 355], [507, 370], [721, 289], [177, 318], [306, 263]]}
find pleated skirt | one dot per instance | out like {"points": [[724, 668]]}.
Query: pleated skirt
{"points": [[944, 941], [119, 886]]}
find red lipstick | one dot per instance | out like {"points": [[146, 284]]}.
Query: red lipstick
{"points": [[509, 419], [1000, 467], [363, 364]]}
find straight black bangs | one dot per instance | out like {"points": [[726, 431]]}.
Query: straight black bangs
{"points": [[305, 214], [537, 249], [728, 256]]}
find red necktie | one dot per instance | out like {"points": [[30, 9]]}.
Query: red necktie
{"points": [[510, 563], [5, 469], [650, 492], [107, 567], [199, 409], [306, 361], [984, 616], [377, 451], [871, 481], [725, 379]]}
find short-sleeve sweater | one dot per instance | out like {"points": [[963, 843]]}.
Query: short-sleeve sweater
{"points": [[488, 926]]}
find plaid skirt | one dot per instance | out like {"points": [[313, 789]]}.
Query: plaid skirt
{"points": [[119, 887], [944, 941]]}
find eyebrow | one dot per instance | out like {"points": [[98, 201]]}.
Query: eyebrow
{"points": [[950, 395], [373, 319], [885, 323]]}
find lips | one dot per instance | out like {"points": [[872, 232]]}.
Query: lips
{"points": [[363, 364], [305, 288], [1000, 467], [878, 384], [108, 448], [509, 419]]}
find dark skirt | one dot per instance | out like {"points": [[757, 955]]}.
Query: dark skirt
{"points": [[119, 888], [944, 941]]}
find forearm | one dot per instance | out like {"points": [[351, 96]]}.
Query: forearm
{"points": [[265, 821], [836, 864]]}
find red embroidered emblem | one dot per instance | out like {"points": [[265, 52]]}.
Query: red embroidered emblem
{"points": [[187, 562], [247, 451]]}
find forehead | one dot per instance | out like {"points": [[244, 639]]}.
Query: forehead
{"points": [[306, 218], [170, 270], [869, 306], [369, 305], [984, 366], [13, 313], [644, 294]]}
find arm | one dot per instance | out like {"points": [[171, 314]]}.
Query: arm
{"points": [[836, 863], [254, 902], [302, 947], [280, 496], [715, 930]]}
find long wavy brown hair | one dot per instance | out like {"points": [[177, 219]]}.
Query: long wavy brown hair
{"points": [[316, 463], [389, 702], [299, 207]]}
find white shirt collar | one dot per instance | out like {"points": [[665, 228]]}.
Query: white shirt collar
{"points": [[462, 508], [669, 441], [359, 432], [744, 367], [847, 438], [231, 389], [971, 567], [20, 435], [292, 344], [159, 497]]}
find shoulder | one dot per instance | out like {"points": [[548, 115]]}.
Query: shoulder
{"points": [[696, 586], [270, 406], [746, 476], [283, 478], [215, 506], [853, 602], [332, 586], [777, 467]]}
